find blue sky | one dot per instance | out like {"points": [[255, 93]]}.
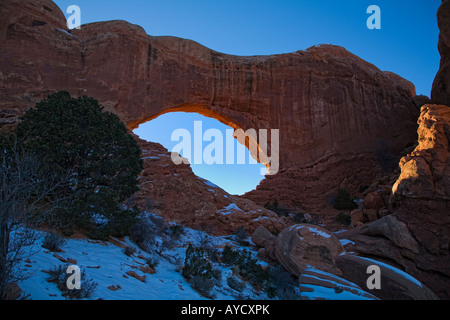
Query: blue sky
{"points": [[406, 44]]}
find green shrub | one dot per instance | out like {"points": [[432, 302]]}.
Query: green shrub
{"points": [[344, 201], [299, 217], [236, 284], [53, 241], [152, 261], [202, 285], [120, 224], [282, 284], [344, 218], [129, 251], [273, 206], [176, 231], [199, 271], [59, 276], [196, 263], [241, 235], [363, 188], [228, 255], [246, 265], [76, 137]]}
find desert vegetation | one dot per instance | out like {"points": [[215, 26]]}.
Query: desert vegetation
{"points": [[69, 166]]}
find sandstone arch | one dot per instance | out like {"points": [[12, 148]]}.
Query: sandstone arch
{"points": [[332, 108]]}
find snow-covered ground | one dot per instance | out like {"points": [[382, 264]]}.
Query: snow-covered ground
{"points": [[106, 264]]}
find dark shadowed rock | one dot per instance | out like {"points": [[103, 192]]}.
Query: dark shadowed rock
{"points": [[395, 284], [416, 236], [440, 93]]}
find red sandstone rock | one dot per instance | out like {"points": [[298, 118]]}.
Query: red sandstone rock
{"points": [[114, 287], [357, 217], [374, 200], [416, 236], [177, 194], [426, 170], [334, 110], [261, 237], [266, 240], [136, 276], [440, 93], [303, 245]]}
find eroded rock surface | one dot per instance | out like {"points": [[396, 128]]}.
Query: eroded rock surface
{"points": [[177, 194], [302, 245], [440, 93], [334, 111], [416, 236]]}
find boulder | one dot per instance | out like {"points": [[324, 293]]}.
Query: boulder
{"points": [[374, 200], [263, 238], [387, 228], [303, 245], [394, 283], [371, 215], [357, 217]]}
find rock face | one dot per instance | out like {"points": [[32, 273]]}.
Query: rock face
{"points": [[416, 236], [422, 196], [425, 172], [303, 245], [334, 111], [175, 192], [440, 93]]}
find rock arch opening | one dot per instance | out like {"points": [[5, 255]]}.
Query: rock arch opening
{"points": [[217, 149]]}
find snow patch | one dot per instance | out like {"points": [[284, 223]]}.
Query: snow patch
{"points": [[345, 242], [151, 157], [209, 183], [68, 33], [313, 230], [229, 208]]}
